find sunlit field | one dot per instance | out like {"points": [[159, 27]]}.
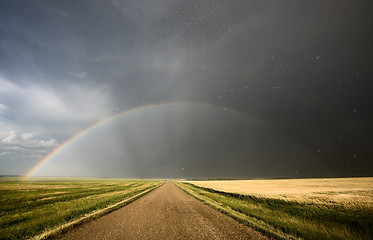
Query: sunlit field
{"points": [[325, 190], [340, 208], [29, 208]]}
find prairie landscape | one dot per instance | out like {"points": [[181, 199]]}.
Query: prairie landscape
{"points": [[92, 91], [325, 208], [40, 208], [40, 205]]}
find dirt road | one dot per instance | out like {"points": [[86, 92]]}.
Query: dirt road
{"points": [[165, 213]]}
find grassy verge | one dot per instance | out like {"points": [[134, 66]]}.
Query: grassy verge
{"points": [[29, 208], [290, 219]]}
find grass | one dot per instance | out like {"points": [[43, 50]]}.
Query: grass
{"points": [[292, 219], [323, 190], [29, 208]]}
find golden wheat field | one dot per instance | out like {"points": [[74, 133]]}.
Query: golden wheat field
{"points": [[331, 190]]}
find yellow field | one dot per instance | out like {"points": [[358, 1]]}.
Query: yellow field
{"points": [[330, 190]]}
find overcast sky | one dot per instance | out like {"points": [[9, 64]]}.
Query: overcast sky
{"points": [[234, 89]]}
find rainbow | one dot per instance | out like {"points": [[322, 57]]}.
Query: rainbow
{"points": [[62, 146]]}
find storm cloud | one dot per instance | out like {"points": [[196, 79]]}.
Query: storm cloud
{"points": [[239, 89]]}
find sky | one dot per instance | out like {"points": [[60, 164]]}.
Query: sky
{"points": [[187, 89]]}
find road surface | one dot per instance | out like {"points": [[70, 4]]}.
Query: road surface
{"points": [[165, 213]]}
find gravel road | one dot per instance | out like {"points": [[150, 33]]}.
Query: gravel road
{"points": [[165, 213]]}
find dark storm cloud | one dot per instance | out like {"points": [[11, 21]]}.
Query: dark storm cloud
{"points": [[302, 68]]}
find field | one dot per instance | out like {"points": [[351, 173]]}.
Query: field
{"points": [[29, 208], [340, 208], [323, 190]]}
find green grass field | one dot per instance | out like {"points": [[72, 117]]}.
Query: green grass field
{"points": [[29, 208], [290, 219]]}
